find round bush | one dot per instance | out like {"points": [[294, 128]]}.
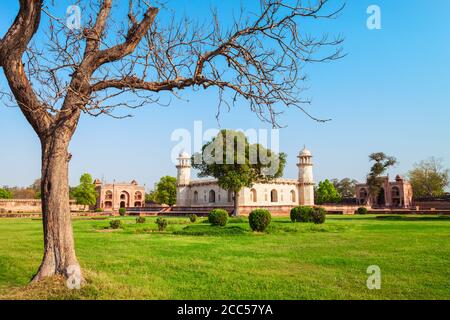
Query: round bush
{"points": [[193, 218], [162, 224], [302, 214], [140, 220], [295, 214], [122, 211], [259, 219], [319, 215], [362, 210], [115, 224], [218, 217]]}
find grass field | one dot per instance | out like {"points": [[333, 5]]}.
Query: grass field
{"points": [[197, 261]]}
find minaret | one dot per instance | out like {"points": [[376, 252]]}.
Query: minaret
{"points": [[183, 179], [305, 178]]}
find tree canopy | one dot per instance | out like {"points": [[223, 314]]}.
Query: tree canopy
{"points": [[85, 192], [5, 194], [429, 178], [345, 187], [235, 163], [165, 191], [381, 163], [327, 193]]}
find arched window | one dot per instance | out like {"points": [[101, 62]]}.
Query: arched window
{"points": [[230, 196], [274, 196], [195, 196], [212, 196], [138, 196], [363, 194], [293, 197], [124, 199], [253, 195], [108, 195], [395, 192]]}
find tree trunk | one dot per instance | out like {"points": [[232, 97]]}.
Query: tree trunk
{"points": [[236, 204], [59, 251]]}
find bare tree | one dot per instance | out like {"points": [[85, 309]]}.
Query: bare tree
{"points": [[258, 58]]}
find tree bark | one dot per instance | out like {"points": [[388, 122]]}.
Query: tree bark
{"points": [[236, 204], [59, 251]]}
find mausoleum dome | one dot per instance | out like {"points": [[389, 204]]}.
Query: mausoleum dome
{"points": [[305, 153], [184, 154]]}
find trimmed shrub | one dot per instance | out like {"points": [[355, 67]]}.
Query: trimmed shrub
{"points": [[98, 210], [319, 215], [295, 214], [302, 214], [259, 219], [218, 217], [193, 218], [115, 224], [362, 210], [122, 211], [162, 224], [140, 220]]}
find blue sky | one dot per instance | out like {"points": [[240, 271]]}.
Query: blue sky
{"points": [[390, 93]]}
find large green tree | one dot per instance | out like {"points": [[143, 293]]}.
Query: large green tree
{"points": [[429, 178], [345, 187], [236, 163], [327, 193], [132, 47], [165, 191], [381, 162], [85, 193]]}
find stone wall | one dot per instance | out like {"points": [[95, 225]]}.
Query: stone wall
{"points": [[427, 205], [32, 206]]}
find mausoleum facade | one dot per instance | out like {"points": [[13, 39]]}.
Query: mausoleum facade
{"points": [[279, 192]]}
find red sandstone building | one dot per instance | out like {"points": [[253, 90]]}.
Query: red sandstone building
{"points": [[114, 196], [393, 194]]}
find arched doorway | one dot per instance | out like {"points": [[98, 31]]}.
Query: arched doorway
{"points": [[124, 199], [363, 196], [212, 196], [253, 195], [381, 199], [230, 196], [274, 196], [293, 197], [395, 195], [195, 196]]}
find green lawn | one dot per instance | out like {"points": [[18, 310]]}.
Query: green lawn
{"points": [[197, 261]]}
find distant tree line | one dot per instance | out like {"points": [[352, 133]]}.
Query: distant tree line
{"points": [[31, 192]]}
